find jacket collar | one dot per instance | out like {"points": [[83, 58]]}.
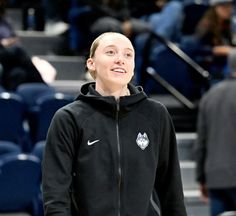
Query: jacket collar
{"points": [[108, 104]]}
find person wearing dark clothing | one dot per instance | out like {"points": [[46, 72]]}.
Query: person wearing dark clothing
{"points": [[7, 33], [17, 68], [215, 145], [213, 38], [113, 150], [148, 49], [91, 18]]}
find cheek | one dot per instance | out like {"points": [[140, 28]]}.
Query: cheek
{"points": [[102, 68], [101, 63], [132, 67]]}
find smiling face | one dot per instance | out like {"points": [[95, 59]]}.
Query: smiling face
{"points": [[112, 61]]}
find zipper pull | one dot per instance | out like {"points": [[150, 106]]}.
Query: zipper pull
{"points": [[118, 105]]}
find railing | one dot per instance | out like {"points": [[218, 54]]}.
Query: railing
{"points": [[180, 97], [184, 57], [175, 49]]}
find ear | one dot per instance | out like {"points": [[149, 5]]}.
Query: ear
{"points": [[90, 64]]}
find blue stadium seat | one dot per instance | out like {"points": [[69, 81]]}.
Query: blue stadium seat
{"points": [[176, 72], [2, 89], [30, 92], [12, 115], [7, 147], [19, 184], [47, 106], [38, 149]]}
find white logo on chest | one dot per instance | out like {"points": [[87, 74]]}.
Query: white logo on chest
{"points": [[92, 142], [142, 140]]}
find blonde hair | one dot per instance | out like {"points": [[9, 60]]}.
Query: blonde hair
{"points": [[95, 45]]}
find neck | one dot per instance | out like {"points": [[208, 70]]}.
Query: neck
{"points": [[117, 93]]}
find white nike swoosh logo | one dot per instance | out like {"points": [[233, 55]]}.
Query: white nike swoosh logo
{"points": [[91, 143]]}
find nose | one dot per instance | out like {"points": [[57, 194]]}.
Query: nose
{"points": [[120, 59]]}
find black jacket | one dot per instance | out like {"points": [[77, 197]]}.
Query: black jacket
{"points": [[109, 158]]}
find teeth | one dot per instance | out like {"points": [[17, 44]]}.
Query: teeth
{"points": [[119, 70]]}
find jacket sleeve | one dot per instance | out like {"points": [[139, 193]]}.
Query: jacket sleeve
{"points": [[168, 182], [57, 165]]}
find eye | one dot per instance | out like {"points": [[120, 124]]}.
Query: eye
{"points": [[129, 55], [110, 52]]}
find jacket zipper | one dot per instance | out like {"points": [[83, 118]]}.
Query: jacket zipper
{"points": [[119, 156]]}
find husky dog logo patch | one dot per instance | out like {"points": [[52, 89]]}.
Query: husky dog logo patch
{"points": [[142, 140]]}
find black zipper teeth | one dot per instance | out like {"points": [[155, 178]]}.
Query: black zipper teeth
{"points": [[119, 161]]}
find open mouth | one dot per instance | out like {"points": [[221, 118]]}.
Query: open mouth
{"points": [[119, 70]]}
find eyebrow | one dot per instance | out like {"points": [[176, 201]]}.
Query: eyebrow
{"points": [[113, 46]]}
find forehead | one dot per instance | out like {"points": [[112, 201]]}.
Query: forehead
{"points": [[119, 41]]}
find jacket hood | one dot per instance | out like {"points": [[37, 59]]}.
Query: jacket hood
{"points": [[108, 104]]}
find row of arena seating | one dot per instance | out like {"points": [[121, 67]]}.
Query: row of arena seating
{"points": [[20, 156], [20, 180], [26, 114]]}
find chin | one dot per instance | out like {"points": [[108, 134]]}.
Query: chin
{"points": [[120, 82]]}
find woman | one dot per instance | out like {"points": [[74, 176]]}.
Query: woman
{"points": [[213, 39], [112, 151], [214, 29]]}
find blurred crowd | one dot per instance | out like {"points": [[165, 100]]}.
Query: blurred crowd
{"points": [[204, 30]]}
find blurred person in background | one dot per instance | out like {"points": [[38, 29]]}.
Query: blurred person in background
{"points": [[16, 66], [215, 146], [215, 28], [165, 21], [213, 38], [7, 33], [89, 18], [127, 17], [163, 16]]}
